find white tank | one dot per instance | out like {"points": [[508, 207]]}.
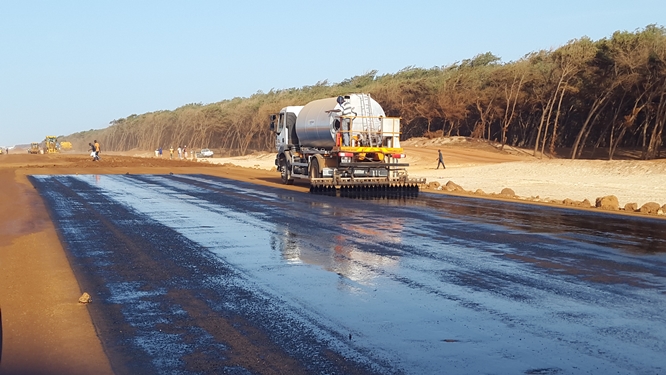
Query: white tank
{"points": [[319, 120]]}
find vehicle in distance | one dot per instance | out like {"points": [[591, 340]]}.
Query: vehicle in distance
{"points": [[51, 144], [34, 148], [205, 153]]}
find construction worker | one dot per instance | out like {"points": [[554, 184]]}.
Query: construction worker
{"points": [[346, 111], [441, 160], [97, 150], [171, 153]]}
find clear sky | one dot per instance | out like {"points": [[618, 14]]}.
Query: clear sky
{"points": [[69, 66]]}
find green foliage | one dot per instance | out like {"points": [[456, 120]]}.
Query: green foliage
{"points": [[483, 59], [585, 94]]}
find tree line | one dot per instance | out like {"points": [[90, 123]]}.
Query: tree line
{"points": [[584, 96]]}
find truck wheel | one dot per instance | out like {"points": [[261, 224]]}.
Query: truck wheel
{"points": [[285, 173], [314, 169]]}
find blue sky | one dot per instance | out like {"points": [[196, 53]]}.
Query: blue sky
{"points": [[77, 65]]}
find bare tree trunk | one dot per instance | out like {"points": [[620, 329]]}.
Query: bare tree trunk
{"points": [[587, 133], [550, 112], [655, 137], [448, 134], [596, 106], [508, 118], [481, 126], [557, 117], [543, 118], [612, 149]]}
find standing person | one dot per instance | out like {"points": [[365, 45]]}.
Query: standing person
{"points": [[346, 111], [160, 150], [180, 153], [185, 151], [97, 150], [171, 152], [441, 160]]}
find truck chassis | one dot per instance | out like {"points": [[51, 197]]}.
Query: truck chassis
{"points": [[328, 173]]}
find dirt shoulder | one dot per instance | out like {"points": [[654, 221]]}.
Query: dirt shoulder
{"points": [[45, 329]]}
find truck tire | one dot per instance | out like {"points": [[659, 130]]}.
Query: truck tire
{"points": [[314, 169], [285, 173]]}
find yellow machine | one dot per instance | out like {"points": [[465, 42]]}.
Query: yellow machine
{"points": [[34, 148], [50, 144], [65, 146]]}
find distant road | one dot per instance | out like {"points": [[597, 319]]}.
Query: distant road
{"points": [[198, 274]]}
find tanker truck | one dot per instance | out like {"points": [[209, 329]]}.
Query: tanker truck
{"points": [[343, 144]]}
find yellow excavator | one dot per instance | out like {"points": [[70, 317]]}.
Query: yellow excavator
{"points": [[50, 144]]}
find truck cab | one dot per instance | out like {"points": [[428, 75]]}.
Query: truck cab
{"points": [[284, 126]]}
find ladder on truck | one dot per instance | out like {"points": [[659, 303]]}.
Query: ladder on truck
{"points": [[368, 121]]}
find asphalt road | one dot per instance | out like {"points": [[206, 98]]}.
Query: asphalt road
{"points": [[196, 274]]}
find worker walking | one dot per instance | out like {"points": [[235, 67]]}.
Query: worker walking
{"points": [[441, 160], [94, 150], [97, 149]]}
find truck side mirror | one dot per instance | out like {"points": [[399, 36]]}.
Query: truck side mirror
{"points": [[273, 117]]}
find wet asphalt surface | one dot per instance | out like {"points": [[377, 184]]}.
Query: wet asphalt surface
{"points": [[192, 274]]}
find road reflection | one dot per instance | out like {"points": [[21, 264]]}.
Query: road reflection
{"points": [[636, 235], [342, 248]]}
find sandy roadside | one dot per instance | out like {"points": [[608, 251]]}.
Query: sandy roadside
{"points": [[45, 329]]}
